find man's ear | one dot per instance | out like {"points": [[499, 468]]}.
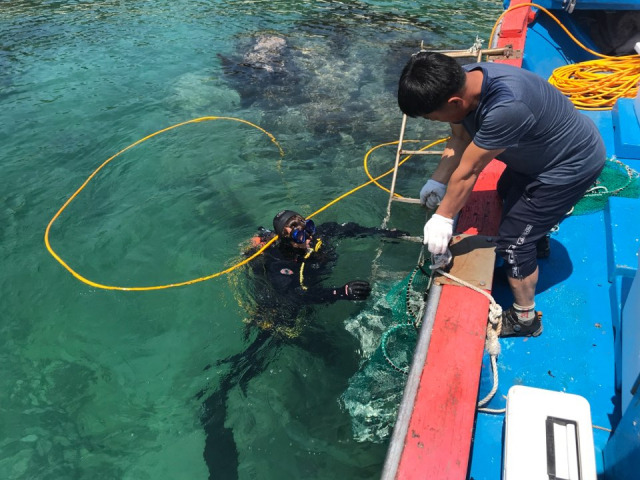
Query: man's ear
{"points": [[456, 102]]}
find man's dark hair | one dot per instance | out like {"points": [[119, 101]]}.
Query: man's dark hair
{"points": [[427, 81]]}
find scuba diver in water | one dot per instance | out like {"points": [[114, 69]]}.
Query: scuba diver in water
{"points": [[287, 281], [295, 266]]}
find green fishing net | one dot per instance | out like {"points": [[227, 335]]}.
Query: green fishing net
{"points": [[406, 300], [616, 179], [388, 333]]}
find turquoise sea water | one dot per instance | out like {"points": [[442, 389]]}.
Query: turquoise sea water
{"points": [[108, 384]]}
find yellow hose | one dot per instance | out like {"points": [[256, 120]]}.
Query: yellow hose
{"points": [[374, 180], [594, 84], [216, 274], [366, 158], [104, 164]]}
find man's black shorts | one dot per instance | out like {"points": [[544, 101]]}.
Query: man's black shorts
{"points": [[530, 210]]}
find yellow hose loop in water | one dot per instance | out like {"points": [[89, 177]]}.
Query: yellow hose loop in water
{"points": [[374, 180], [594, 84], [104, 164], [213, 275], [366, 158]]}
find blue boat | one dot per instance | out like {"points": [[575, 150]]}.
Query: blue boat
{"points": [[565, 404]]}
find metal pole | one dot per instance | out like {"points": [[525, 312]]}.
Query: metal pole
{"points": [[396, 446], [395, 170]]}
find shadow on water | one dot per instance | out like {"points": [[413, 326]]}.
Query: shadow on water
{"points": [[220, 451], [280, 314], [275, 319]]}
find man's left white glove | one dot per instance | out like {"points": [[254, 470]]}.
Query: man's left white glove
{"points": [[437, 233], [432, 194]]}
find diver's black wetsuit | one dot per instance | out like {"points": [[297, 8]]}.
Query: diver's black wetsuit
{"points": [[281, 263], [280, 302]]}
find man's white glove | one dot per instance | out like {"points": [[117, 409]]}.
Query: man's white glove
{"points": [[437, 233], [432, 193]]}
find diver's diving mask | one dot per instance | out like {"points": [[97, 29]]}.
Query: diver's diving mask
{"points": [[299, 234]]}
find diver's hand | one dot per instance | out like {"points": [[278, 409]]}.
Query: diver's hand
{"points": [[355, 290], [437, 233], [432, 193]]}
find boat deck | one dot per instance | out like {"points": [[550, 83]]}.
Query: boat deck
{"points": [[579, 295], [581, 288], [576, 350]]}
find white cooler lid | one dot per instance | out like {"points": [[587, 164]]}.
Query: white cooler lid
{"points": [[548, 435]]}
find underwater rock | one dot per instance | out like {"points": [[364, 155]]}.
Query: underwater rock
{"points": [[316, 84], [261, 71], [267, 54]]}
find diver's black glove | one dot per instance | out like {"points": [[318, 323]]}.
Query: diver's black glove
{"points": [[355, 290]]}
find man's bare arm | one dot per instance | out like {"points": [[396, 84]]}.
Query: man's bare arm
{"points": [[453, 151], [464, 177]]}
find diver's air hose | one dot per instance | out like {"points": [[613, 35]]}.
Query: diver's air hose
{"points": [[308, 254], [221, 272]]}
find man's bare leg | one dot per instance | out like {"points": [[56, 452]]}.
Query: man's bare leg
{"points": [[524, 289]]}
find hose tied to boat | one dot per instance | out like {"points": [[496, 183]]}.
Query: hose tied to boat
{"points": [[594, 84]]}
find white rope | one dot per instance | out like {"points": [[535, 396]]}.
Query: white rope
{"points": [[492, 344]]}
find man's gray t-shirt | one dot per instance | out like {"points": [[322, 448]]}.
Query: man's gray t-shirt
{"points": [[545, 137]]}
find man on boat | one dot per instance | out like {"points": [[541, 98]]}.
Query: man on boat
{"points": [[553, 154]]}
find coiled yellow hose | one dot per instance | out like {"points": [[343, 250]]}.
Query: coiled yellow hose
{"points": [[594, 84]]}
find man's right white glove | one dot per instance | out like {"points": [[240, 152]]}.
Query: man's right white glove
{"points": [[432, 193], [437, 233]]}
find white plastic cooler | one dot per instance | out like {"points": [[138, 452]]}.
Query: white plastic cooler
{"points": [[548, 435]]}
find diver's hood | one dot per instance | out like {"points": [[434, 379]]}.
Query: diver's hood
{"points": [[281, 219]]}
